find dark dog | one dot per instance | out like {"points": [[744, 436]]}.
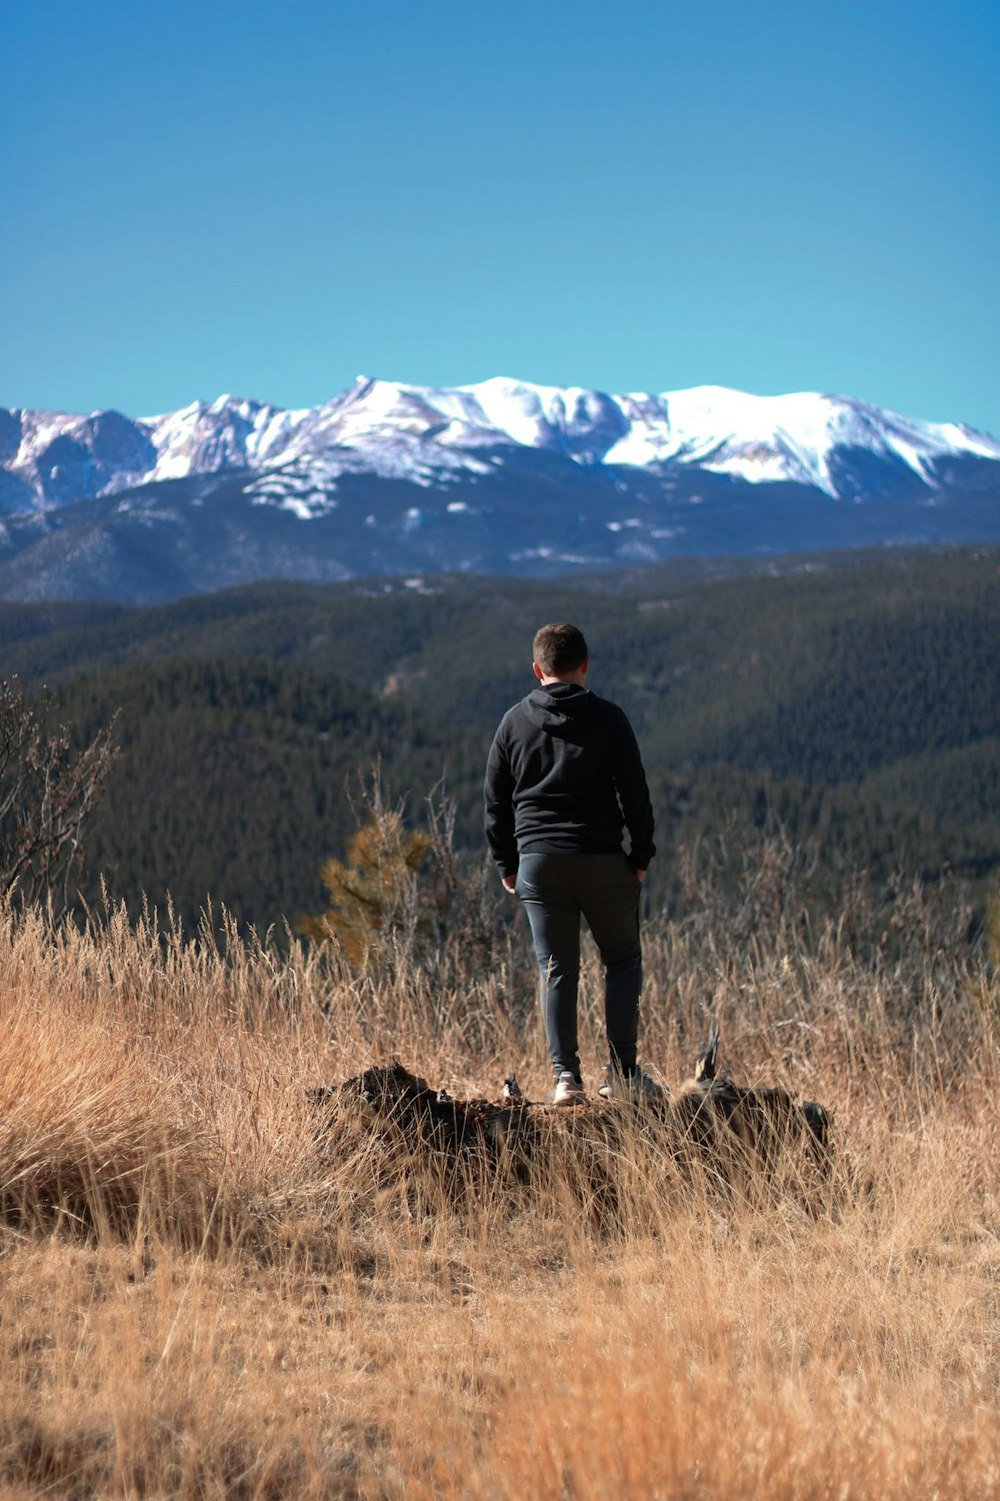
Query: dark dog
{"points": [[749, 1130]]}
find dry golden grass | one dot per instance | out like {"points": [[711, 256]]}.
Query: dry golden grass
{"points": [[202, 1296]]}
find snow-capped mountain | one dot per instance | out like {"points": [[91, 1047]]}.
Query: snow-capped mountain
{"points": [[499, 476], [429, 435]]}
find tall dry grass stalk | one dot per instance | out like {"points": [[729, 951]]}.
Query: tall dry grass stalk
{"points": [[208, 1290]]}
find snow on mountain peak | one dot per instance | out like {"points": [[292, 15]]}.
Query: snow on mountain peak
{"points": [[428, 435]]}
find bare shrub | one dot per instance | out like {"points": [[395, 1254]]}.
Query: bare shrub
{"points": [[47, 792]]}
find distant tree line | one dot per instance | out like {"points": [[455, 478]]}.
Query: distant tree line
{"points": [[855, 704]]}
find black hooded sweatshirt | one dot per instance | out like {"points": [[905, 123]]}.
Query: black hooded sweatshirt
{"points": [[564, 776]]}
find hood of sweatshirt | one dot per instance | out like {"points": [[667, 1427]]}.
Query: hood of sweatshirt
{"points": [[558, 707]]}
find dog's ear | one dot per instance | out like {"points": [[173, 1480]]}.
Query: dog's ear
{"points": [[707, 1062]]}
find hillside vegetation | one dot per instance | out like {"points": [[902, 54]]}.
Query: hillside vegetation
{"points": [[855, 700], [223, 1278], [228, 1270]]}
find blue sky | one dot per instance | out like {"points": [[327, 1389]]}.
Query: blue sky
{"points": [[269, 199]]}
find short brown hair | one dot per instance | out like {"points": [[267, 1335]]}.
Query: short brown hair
{"points": [[559, 648]]}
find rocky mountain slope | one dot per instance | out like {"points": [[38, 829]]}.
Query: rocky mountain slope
{"points": [[500, 477]]}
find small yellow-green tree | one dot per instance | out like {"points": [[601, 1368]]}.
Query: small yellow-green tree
{"points": [[374, 891]]}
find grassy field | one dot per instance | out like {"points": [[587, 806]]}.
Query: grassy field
{"points": [[208, 1289]]}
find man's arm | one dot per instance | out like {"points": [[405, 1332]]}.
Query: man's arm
{"points": [[633, 795], [498, 796]]}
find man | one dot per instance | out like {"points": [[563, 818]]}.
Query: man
{"points": [[564, 778]]}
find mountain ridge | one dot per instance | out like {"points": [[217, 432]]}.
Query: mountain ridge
{"points": [[499, 477], [758, 438]]}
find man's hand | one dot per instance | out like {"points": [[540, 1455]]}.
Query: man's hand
{"points": [[640, 875], [508, 883]]}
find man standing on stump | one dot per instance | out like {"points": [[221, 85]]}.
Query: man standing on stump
{"points": [[564, 780]]}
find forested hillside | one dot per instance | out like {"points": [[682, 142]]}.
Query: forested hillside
{"points": [[237, 779], [855, 700]]}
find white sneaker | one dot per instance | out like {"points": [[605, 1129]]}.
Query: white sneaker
{"points": [[568, 1090], [633, 1087]]}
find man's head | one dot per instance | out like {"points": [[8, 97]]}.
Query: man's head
{"points": [[559, 651]]}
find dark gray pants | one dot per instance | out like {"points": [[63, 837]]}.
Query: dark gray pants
{"points": [[557, 890]]}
